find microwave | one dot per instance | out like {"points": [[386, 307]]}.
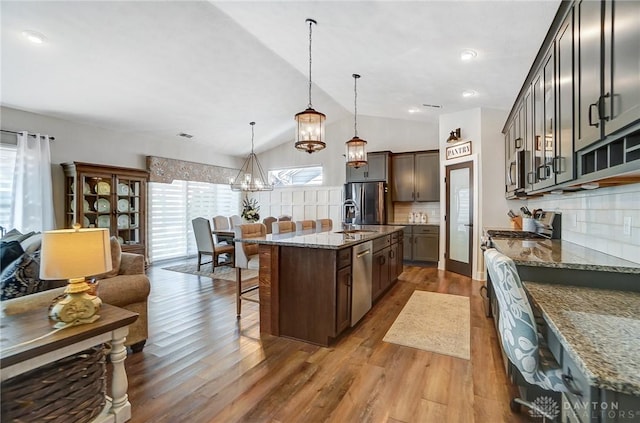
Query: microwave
{"points": [[515, 174]]}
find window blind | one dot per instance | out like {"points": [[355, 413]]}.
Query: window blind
{"points": [[173, 206]]}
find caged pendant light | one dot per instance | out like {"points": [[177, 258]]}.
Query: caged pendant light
{"points": [[251, 177], [310, 123], [356, 147]]}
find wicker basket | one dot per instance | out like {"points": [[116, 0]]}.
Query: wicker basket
{"points": [[70, 390]]}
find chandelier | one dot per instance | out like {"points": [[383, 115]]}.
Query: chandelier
{"points": [[310, 131], [356, 147], [251, 177]]}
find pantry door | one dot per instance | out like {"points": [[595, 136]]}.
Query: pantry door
{"points": [[459, 218]]}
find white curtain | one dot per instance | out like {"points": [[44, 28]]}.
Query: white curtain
{"points": [[32, 196]]}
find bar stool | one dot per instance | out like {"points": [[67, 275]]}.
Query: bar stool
{"points": [[246, 257], [305, 225], [324, 225], [283, 227], [268, 221]]}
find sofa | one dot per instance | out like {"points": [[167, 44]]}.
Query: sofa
{"points": [[126, 286]]}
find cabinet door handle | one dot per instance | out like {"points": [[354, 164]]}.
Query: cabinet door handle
{"points": [[418, 194], [591, 106], [557, 165], [601, 107], [531, 177], [567, 380], [512, 165], [542, 173], [392, 254]]}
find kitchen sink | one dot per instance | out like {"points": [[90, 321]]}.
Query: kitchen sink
{"points": [[354, 231]]}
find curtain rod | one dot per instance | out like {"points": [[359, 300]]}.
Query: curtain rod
{"points": [[31, 135]]}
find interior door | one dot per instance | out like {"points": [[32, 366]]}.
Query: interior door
{"points": [[459, 218]]}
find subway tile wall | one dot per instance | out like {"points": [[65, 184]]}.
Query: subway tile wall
{"points": [[431, 210], [596, 219]]}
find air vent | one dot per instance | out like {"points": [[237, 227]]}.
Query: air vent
{"points": [[433, 106], [185, 135]]}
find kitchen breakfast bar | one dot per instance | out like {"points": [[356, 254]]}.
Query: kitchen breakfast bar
{"points": [[313, 286]]}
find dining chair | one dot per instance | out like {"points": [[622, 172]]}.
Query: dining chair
{"points": [[206, 245], [268, 221], [221, 223], [235, 220], [305, 225], [284, 218], [324, 225], [540, 374], [283, 227], [246, 257]]}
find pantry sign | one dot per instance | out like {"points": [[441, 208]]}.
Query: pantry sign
{"points": [[458, 150]]}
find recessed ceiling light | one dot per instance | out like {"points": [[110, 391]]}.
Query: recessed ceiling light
{"points": [[185, 135], [467, 55], [433, 106], [413, 110], [469, 93], [34, 37]]}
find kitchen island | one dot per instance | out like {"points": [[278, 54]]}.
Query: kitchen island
{"points": [[306, 280]]}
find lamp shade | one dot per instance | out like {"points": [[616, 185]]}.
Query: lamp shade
{"points": [[310, 133], [356, 152], [75, 253]]}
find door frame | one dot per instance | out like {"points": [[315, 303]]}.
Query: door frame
{"points": [[454, 265]]}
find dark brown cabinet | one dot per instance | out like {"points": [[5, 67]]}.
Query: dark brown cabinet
{"points": [[387, 263], [421, 243], [376, 169], [607, 91], [563, 162], [343, 291], [108, 197], [415, 176]]}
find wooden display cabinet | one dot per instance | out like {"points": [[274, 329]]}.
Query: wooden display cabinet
{"points": [[108, 197]]}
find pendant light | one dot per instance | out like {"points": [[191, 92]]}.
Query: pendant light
{"points": [[251, 177], [356, 147], [310, 131]]}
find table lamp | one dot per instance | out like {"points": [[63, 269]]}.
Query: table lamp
{"points": [[74, 254]]}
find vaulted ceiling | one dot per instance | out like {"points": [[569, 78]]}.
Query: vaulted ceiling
{"points": [[208, 68]]}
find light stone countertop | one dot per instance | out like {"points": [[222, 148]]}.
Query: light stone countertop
{"points": [[560, 254], [333, 240], [598, 328], [416, 224]]}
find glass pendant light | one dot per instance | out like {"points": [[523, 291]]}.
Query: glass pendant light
{"points": [[251, 177], [310, 128], [356, 147]]}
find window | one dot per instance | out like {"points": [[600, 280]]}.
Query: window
{"points": [[7, 164], [311, 175], [173, 206]]}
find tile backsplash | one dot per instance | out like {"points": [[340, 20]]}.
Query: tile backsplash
{"points": [[596, 219], [431, 210]]}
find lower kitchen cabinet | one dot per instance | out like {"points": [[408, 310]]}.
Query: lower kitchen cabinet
{"points": [[387, 264], [343, 291], [421, 243]]}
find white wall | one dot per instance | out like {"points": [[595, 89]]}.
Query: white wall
{"points": [[595, 219], [483, 128], [302, 203], [380, 133], [85, 143]]}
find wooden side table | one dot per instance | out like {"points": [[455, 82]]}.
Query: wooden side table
{"points": [[18, 355]]}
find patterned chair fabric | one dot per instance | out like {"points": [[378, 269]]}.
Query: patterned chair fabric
{"points": [[517, 324]]}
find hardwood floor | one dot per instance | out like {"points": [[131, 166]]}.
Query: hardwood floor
{"points": [[202, 365]]}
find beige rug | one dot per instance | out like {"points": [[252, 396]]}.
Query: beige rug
{"points": [[221, 272], [434, 322]]}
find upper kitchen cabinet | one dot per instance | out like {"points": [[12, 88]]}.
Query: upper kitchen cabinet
{"points": [[415, 176], [607, 81], [376, 169], [563, 162]]}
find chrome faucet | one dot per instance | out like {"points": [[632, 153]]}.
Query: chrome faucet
{"points": [[345, 205]]}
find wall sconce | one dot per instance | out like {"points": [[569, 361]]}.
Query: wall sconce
{"points": [[454, 135]]}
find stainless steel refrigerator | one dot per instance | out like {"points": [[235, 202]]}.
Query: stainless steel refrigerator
{"points": [[370, 198]]}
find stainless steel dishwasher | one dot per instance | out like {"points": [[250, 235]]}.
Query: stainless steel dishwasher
{"points": [[361, 280]]}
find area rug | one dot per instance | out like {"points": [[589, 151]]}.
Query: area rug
{"points": [[221, 272], [434, 322]]}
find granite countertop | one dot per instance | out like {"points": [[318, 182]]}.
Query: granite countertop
{"points": [[329, 240], [598, 328], [560, 254]]}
